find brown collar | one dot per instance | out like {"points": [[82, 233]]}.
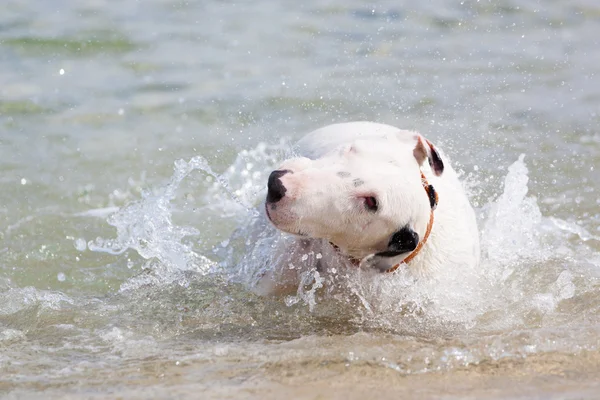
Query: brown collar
{"points": [[433, 201]]}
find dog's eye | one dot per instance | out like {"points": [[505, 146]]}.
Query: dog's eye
{"points": [[371, 203]]}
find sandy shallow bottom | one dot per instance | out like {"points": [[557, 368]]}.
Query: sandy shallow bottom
{"points": [[550, 376]]}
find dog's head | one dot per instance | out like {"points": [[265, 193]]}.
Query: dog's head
{"points": [[365, 197]]}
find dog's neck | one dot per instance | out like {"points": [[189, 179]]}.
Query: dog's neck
{"points": [[433, 201]]}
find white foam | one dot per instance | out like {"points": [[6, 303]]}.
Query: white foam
{"points": [[128, 344]]}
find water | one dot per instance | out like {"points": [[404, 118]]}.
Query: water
{"points": [[135, 141]]}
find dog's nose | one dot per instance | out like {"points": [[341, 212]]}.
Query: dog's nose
{"points": [[275, 187]]}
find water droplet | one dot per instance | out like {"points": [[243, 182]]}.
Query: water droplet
{"points": [[23, 181], [80, 244], [61, 277], [61, 71]]}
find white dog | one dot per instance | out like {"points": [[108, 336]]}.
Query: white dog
{"points": [[362, 196]]}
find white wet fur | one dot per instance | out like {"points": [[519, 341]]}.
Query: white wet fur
{"points": [[336, 168]]}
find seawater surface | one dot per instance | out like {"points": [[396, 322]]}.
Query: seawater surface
{"points": [[135, 143]]}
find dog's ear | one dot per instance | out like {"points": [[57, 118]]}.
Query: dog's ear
{"points": [[402, 241], [425, 149]]}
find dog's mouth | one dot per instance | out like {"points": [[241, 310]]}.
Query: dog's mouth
{"points": [[297, 233], [351, 259]]}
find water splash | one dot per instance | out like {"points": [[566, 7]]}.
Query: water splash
{"points": [[146, 226], [521, 279], [510, 229], [247, 174], [310, 282], [525, 274]]}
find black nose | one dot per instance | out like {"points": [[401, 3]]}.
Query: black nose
{"points": [[275, 186]]}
